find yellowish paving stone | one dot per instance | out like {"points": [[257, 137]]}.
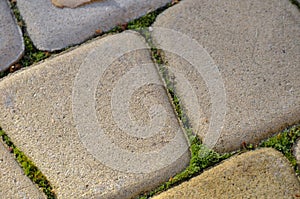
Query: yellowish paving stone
{"points": [[96, 121], [238, 78], [264, 173]]}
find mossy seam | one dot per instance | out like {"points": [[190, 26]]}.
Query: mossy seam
{"points": [[29, 167]]}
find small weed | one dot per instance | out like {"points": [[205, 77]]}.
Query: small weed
{"points": [[28, 167]]}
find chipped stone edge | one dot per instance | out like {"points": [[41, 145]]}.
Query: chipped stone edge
{"points": [[22, 50]]}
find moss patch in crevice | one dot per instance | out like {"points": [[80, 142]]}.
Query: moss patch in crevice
{"points": [[201, 156], [28, 167]]}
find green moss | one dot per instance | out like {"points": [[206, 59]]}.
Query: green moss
{"points": [[201, 158], [147, 20], [140, 23], [28, 167], [284, 142]]}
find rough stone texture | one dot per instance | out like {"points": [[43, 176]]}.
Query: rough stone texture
{"points": [[256, 47], [297, 151], [70, 3], [13, 182], [37, 112], [52, 28], [263, 173], [11, 40]]}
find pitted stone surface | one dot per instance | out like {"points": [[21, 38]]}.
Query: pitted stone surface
{"points": [[264, 173], [41, 113], [13, 182], [11, 40], [52, 28], [255, 46]]}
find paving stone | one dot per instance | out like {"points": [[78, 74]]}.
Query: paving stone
{"points": [[97, 120], [11, 40], [52, 28], [297, 151], [13, 182], [264, 173], [70, 3], [236, 69]]}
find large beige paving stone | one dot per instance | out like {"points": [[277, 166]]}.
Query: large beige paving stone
{"points": [[11, 40], [236, 69], [52, 28], [96, 120], [264, 173], [13, 182]]}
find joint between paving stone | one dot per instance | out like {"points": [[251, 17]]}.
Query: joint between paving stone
{"points": [[29, 168]]}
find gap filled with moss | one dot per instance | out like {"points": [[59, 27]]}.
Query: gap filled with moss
{"points": [[201, 156], [28, 167]]}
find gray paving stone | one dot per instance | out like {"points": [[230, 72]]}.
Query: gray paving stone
{"points": [[264, 173], [11, 40], [236, 70], [52, 28], [96, 121], [13, 182]]}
